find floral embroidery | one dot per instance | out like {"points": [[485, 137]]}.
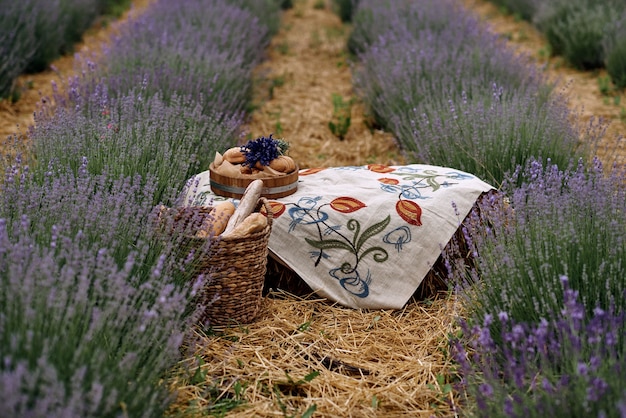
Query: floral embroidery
{"points": [[398, 237], [410, 211], [331, 238]]}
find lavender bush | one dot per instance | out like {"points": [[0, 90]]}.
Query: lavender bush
{"points": [[576, 29], [375, 20], [80, 15], [569, 363], [267, 11], [35, 32], [17, 43], [130, 135], [560, 222], [454, 95], [440, 66], [434, 51], [49, 30], [93, 306], [614, 44], [491, 137], [187, 49], [99, 284]]}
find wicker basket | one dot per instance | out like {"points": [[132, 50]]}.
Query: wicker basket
{"points": [[235, 268]]}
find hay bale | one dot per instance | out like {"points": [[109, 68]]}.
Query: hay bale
{"points": [[280, 277]]}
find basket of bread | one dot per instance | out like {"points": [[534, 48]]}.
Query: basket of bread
{"points": [[263, 158], [228, 245]]}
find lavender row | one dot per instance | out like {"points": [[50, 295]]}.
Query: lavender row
{"points": [[568, 364], [170, 91], [92, 311], [589, 34], [191, 51], [35, 32], [453, 94], [556, 228], [98, 287]]}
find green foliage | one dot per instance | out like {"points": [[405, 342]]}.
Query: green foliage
{"points": [[283, 48], [114, 7], [616, 65], [291, 387], [604, 84], [342, 111], [277, 81], [576, 29], [220, 405], [285, 4], [443, 389], [345, 9], [525, 9]]}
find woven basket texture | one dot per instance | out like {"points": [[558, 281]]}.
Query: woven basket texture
{"points": [[235, 268]]}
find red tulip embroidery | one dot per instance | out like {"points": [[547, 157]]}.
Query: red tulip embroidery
{"points": [[346, 204], [410, 211]]}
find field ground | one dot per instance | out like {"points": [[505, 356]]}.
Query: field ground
{"points": [[370, 363]]}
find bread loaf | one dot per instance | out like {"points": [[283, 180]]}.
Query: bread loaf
{"points": [[283, 163], [255, 222], [217, 220], [246, 206], [234, 155], [218, 160]]}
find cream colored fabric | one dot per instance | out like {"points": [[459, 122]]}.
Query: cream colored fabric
{"points": [[365, 236]]}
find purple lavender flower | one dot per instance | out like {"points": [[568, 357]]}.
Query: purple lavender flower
{"points": [[83, 266], [527, 374], [261, 150], [454, 95]]}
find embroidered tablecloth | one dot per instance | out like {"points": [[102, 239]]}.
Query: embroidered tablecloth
{"points": [[364, 236]]}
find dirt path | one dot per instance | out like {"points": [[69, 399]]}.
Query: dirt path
{"points": [[306, 66]]}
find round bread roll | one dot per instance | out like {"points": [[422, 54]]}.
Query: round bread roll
{"points": [[283, 163], [234, 155]]}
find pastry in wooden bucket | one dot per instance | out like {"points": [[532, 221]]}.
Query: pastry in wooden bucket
{"points": [[263, 158]]}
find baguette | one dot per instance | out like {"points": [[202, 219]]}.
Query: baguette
{"points": [[255, 222], [217, 220], [248, 202]]}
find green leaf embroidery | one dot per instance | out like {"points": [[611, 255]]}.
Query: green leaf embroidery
{"points": [[372, 230], [432, 183], [329, 244]]}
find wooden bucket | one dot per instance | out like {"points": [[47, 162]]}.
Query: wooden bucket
{"points": [[273, 187]]}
